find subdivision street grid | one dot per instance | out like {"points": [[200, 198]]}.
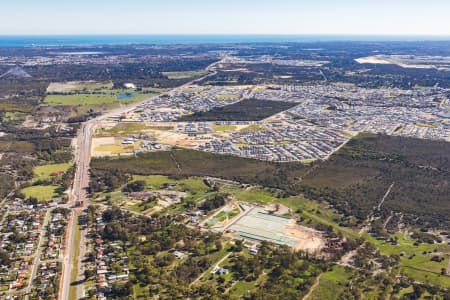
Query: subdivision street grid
{"points": [[324, 117]]}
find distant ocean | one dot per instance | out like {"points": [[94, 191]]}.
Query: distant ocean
{"points": [[87, 40]]}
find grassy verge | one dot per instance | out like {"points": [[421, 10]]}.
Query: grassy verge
{"points": [[75, 260]]}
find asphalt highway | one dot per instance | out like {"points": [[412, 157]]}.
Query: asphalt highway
{"points": [[78, 200]]}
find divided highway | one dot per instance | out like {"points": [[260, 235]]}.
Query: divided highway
{"points": [[77, 196], [78, 200]]}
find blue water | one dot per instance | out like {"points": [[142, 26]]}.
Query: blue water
{"points": [[126, 96], [84, 40]]}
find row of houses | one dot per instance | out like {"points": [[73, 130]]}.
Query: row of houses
{"points": [[107, 254]]}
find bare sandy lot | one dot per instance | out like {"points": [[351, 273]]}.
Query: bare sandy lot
{"points": [[278, 209], [61, 87], [176, 138], [391, 61], [283, 76], [30, 122], [372, 60], [309, 240], [101, 141]]}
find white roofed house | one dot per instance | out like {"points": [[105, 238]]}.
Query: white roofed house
{"points": [[130, 86]]}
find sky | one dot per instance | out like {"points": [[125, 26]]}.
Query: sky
{"points": [[296, 17]]}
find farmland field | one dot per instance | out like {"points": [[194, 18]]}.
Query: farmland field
{"points": [[89, 99]]}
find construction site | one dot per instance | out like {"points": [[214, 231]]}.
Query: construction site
{"points": [[256, 224]]}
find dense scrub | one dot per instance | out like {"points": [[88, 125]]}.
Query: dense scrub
{"points": [[358, 176], [111, 173], [245, 110], [6, 185]]}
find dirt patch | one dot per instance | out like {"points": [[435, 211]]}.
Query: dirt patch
{"points": [[391, 61], [61, 87], [372, 60], [176, 139], [278, 209], [309, 240]]}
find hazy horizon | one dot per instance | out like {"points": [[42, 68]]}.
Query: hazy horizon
{"points": [[227, 34], [199, 17]]}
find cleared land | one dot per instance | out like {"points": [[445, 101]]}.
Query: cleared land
{"points": [[61, 87], [412, 62]]}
